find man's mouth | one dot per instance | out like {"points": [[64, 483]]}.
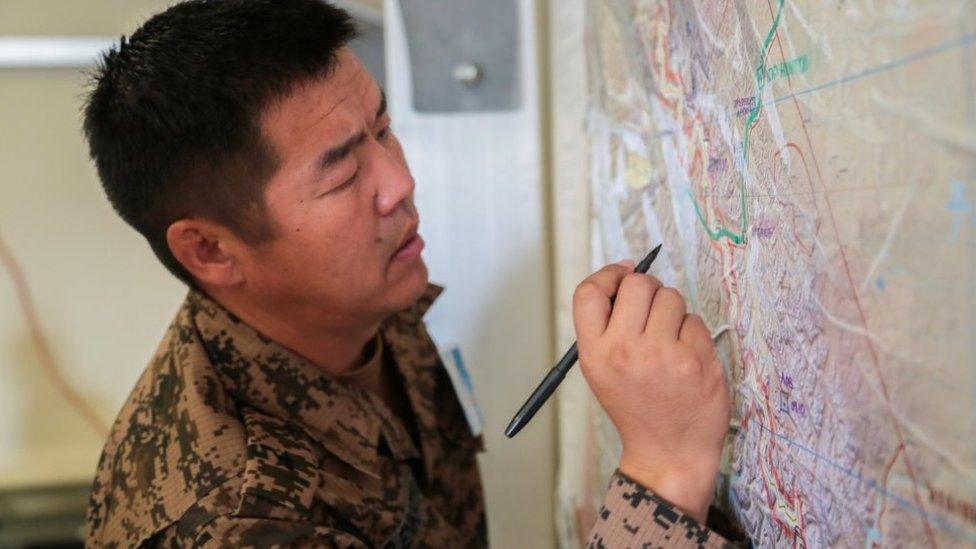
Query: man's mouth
{"points": [[410, 247]]}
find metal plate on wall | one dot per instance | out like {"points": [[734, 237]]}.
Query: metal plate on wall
{"points": [[463, 54]]}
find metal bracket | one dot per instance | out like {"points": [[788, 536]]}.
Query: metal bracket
{"points": [[463, 54]]}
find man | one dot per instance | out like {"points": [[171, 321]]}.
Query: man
{"points": [[296, 398]]}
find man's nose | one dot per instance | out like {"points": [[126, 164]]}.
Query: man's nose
{"points": [[394, 184]]}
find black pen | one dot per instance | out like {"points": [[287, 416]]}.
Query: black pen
{"points": [[559, 371]]}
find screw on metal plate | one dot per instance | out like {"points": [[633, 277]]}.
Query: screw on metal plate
{"points": [[467, 74]]}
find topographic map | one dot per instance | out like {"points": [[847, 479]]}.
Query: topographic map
{"points": [[810, 167]]}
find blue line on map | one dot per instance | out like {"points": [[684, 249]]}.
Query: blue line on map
{"points": [[958, 42], [948, 45], [971, 536], [958, 208], [968, 92]]}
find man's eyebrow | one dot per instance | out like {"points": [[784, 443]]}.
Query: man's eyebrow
{"points": [[336, 154], [382, 108]]}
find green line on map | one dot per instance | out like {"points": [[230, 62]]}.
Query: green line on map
{"points": [[797, 65], [760, 75]]}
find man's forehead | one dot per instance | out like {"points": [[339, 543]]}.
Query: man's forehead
{"points": [[347, 91]]}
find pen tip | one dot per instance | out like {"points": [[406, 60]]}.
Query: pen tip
{"points": [[512, 429], [653, 255], [645, 263]]}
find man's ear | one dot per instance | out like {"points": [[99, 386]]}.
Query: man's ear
{"points": [[207, 250]]}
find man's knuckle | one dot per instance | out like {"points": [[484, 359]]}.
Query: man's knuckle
{"points": [[684, 361], [619, 355], [694, 321], [637, 281], [671, 296], [586, 290], [652, 354]]}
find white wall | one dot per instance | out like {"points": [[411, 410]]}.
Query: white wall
{"points": [[574, 507], [101, 298], [104, 302], [481, 193]]}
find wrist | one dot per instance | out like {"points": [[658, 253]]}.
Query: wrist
{"points": [[689, 489]]}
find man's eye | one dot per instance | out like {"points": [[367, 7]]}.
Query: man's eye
{"points": [[381, 135], [341, 186], [347, 182]]}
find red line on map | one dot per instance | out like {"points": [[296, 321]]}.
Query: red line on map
{"points": [[857, 301], [806, 169], [884, 482]]}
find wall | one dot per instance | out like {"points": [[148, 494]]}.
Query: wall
{"points": [[481, 193], [103, 302], [569, 202], [101, 299]]}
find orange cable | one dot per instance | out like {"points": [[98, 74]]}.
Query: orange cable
{"points": [[41, 345]]}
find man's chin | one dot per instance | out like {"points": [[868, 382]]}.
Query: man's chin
{"points": [[423, 279], [411, 285]]}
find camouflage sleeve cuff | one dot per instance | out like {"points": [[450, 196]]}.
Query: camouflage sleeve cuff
{"points": [[633, 516]]}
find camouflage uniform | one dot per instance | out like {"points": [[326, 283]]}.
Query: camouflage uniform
{"points": [[231, 440], [634, 517]]}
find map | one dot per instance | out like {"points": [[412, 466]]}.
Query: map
{"points": [[810, 167]]}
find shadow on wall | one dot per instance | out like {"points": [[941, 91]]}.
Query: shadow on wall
{"points": [[501, 387]]}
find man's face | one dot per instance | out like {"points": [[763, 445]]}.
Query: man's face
{"points": [[341, 202]]}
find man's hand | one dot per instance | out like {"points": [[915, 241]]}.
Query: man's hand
{"points": [[654, 370]]}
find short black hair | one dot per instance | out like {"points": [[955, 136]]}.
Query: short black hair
{"points": [[172, 117]]}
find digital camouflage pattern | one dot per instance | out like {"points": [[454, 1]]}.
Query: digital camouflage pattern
{"points": [[229, 439], [634, 517]]}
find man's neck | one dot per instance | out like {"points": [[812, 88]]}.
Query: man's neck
{"points": [[335, 345]]}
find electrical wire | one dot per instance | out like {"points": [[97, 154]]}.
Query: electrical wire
{"points": [[42, 347]]}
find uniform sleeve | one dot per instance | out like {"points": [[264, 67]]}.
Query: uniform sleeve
{"points": [[231, 531], [633, 516]]}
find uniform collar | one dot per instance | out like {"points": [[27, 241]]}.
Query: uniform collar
{"points": [[268, 376]]}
